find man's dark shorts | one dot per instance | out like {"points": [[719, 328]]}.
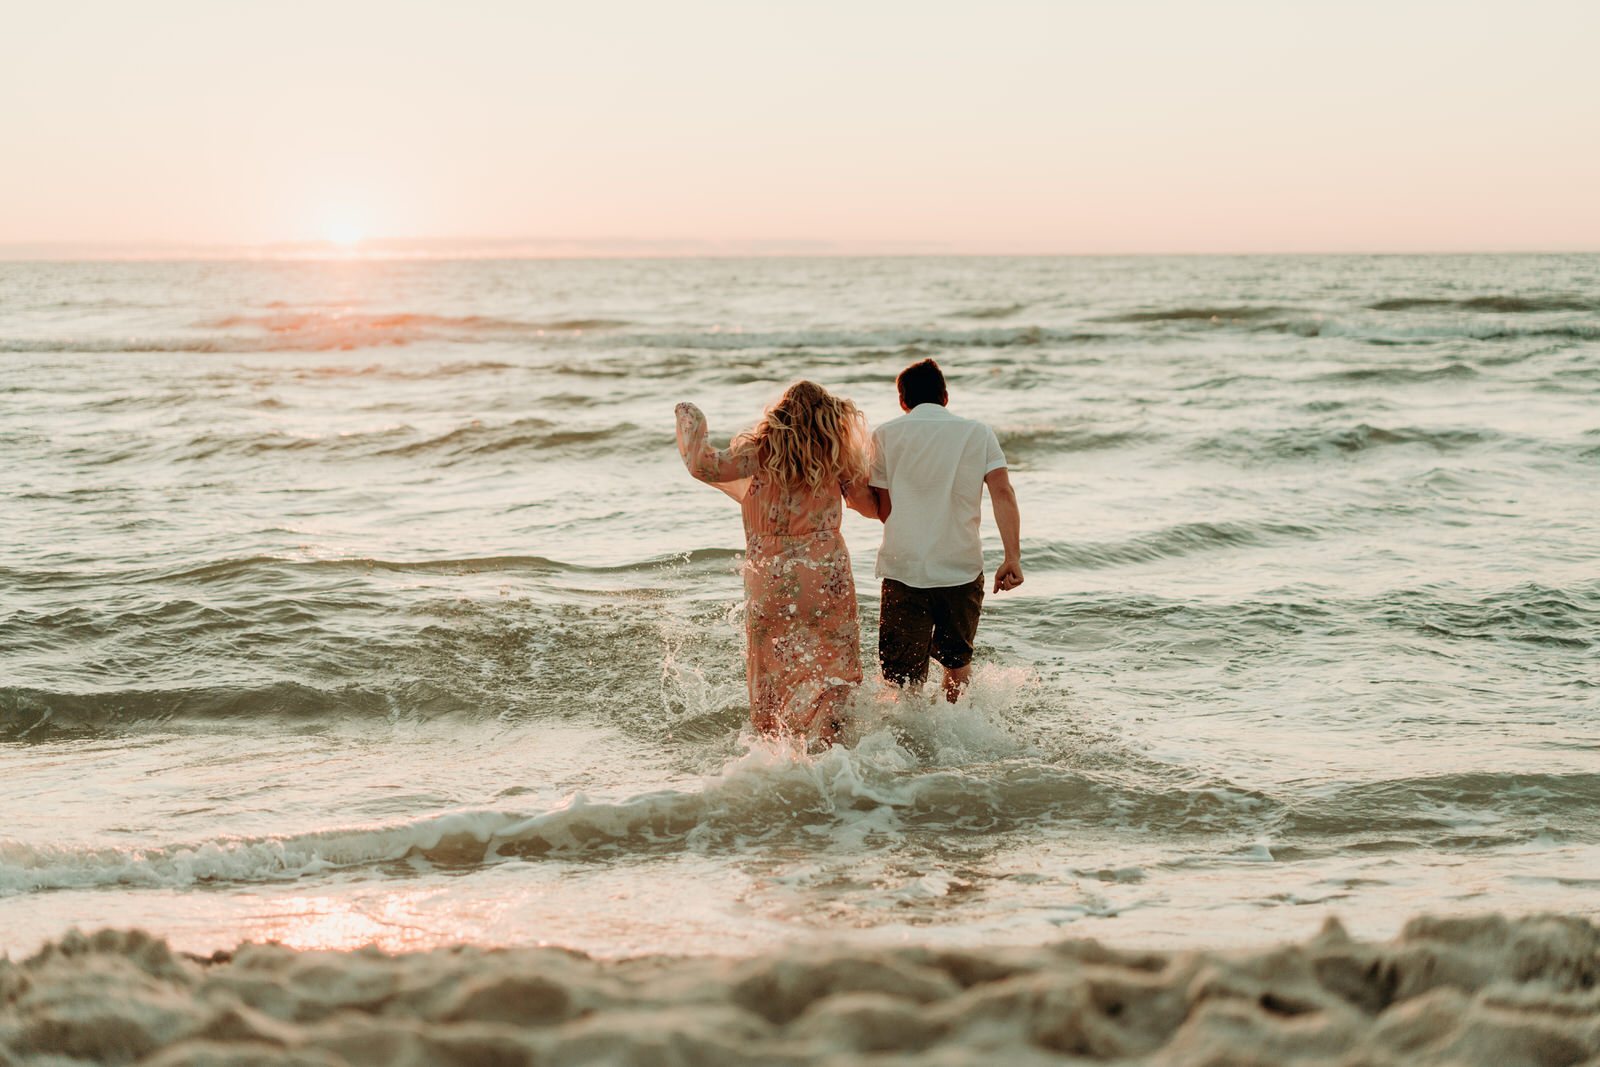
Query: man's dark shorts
{"points": [[916, 623]]}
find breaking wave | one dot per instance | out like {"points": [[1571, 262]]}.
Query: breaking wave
{"points": [[1214, 316], [1171, 543], [474, 441], [893, 338], [1310, 442], [323, 331], [776, 796], [1504, 305]]}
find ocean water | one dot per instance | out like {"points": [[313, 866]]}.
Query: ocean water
{"points": [[358, 601]]}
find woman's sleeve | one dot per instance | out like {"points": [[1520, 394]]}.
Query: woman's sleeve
{"points": [[728, 469]]}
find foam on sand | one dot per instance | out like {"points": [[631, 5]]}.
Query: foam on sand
{"points": [[1488, 990]]}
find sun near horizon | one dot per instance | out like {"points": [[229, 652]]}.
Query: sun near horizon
{"points": [[344, 233]]}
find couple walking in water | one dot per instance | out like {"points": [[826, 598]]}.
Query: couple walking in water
{"points": [[922, 474]]}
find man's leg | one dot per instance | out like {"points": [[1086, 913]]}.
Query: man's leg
{"points": [[955, 681], [905, 634], [956, 610]]}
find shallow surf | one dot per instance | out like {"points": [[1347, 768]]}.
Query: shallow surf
{"points": [[367, 602]]}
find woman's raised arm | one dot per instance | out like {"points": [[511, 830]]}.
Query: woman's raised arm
{"points": [[729, 469]]}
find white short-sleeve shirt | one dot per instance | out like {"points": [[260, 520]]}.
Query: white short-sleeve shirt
{"points": [[933, 463]]}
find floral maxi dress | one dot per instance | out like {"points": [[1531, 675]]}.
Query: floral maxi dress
{"points": [[802, 637]]}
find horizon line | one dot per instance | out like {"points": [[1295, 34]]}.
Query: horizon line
{"points": [[550, 248]]}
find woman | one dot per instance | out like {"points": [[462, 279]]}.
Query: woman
{"points": [[790, 473]]}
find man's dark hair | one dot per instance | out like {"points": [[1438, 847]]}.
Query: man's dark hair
{"points": [[922, 383]]}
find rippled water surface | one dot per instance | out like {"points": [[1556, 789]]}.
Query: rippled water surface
{"points": [[358, 600]]}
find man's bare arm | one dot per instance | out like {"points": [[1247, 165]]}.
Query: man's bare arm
{"points": [[1008, 517]]}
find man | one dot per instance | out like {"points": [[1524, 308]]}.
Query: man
{"points": [[929, 469]]}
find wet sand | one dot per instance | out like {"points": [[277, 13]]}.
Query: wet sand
{"points": [[1486, 990]]}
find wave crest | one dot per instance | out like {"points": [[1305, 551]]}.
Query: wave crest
{"points": [[1502, 304], [880, 787]]}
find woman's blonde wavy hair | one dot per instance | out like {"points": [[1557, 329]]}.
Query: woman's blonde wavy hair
{"points": [[811, 437]]}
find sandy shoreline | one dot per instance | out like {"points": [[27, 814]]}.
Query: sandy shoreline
{"points": [[1487, 990]]}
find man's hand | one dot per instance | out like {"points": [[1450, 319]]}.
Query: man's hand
{"points": [[1008, 576], [1009, 519]]}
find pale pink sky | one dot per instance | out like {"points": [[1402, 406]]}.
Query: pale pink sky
{"points": [[994, 126]]}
